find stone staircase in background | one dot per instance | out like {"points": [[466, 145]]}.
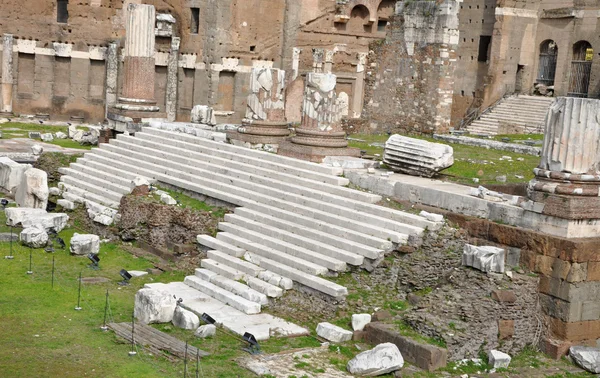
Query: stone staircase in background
{"points": [[295, 222], [524, 114]]}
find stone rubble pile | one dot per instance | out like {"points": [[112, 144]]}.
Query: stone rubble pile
{"points": [[416, 157]]}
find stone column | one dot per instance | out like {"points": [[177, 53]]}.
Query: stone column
{"points": [[112, 73], [7, 73], [139, 65], [328, 68], [137, 103], [172, 69], [568, 178], [265, 125]]}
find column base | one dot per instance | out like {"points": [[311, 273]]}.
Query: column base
{"points": [[7, 114], [315, 138], [130, 118], [313, 153]]}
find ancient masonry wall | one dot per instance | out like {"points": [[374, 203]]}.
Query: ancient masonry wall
{"points": [[411, 81]]}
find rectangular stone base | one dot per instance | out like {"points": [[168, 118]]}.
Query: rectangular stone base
{"points": [[130, 121], [568, 207], [314, 154]]}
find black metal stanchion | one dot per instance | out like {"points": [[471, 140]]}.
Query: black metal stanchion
{"points": [[185, 361], [104, 326], [30, 271], [78, 308], [197, 363], [132, 352], [53, 272], [10, 256]]}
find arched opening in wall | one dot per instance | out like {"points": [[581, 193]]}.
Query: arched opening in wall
{"points": [[384, 14], [547, 66], [581, 68], [359, 20]]}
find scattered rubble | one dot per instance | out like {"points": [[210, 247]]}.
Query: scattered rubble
{"points": [[384, 358]]}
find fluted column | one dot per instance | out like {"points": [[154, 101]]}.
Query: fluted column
{"points": [[7, 73], [139, 65], [172, 69], [570, 163]]}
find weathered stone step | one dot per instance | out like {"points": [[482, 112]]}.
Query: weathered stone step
{"points": [[222, 295], [210, 242], [259, 158], [243, 197], [228, 166], [285, 247], [314, 282], [222, 269], [92, 177], [297, 240], [314, 234], [108, 196], [192, 163], [75, 194], [276, 255], [232, 286], [344, 207], [243, 266], [102, 173], [100, 163]]}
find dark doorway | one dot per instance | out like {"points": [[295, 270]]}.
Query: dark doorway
{"points": [[547, 68], [581, 68]]}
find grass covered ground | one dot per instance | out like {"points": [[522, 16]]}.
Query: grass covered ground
{"points": [[12, 130], [470, 162]]}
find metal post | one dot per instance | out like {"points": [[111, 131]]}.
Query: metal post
{"points": [[197, 363], [78, 308], [10, 256], [30, 271], [104, 327], [53, 272], [185, 361], [132, 352]]}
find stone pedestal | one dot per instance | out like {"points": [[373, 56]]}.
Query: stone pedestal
{"points": [[7, 75], [264, 126], [137, 95], [567, 181], [320, 133]]}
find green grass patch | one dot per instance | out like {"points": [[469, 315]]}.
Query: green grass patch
{"points": [[189, 202], [396, 305], [70, 143]]}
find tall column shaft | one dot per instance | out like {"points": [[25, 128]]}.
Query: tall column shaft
{"points": [[7, 73], [139, 64], [112, 73], [172, 69]]}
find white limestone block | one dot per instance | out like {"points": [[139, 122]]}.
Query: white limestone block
{"points": [[484, 258], [49, 221], [66, 204], [54, 191], [185, 319], [140, 181], [167, 199], [137, 273], [431, 216], [84, 244], [37, 149], [16, 215], [11, 173], [359, 321], [35, 237], [416, 157], [586, 357], [32, 191], [60, 135], [384, 358], [206, 330], [203, 114], [154, 306], [333, 333], [47, 137], [498, 360]]}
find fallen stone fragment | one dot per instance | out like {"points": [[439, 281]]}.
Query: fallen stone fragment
{"points": [[497, 359], [384, 358], [84, 244], [206, 330], [333, 333], [37, 149], [167, 199], [586, 357], [185, 319], [11, 173], [431, 216], [359, 321], [417, 157], [137, 273], [47, 137], [484, 258], [60, 135], [34, 237], [32, 191], [154, 306]]}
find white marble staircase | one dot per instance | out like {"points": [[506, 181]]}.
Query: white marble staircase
{"points": [[295, 222], [525, 113]]}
